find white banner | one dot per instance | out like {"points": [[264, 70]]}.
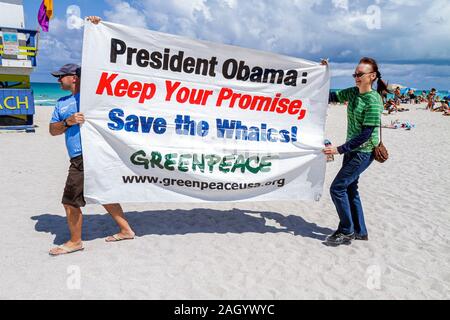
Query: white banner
{"points": [[171, 119]]}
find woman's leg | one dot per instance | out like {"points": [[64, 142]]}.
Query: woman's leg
{"points": [[356, 209], [353, 165], [338, 192]]}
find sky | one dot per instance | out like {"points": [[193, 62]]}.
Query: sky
{"points": [[410, 39]]}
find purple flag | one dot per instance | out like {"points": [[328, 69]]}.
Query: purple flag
{"points": [[42, 17]]}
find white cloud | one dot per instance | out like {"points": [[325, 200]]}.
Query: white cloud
{"points": [[57, 47], [421, 76], [122, 12], [412, 31], [340, 4], [312, 28]]}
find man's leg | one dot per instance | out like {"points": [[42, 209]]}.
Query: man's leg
{"points": [[72, 201], [116, 212], [74, 221]]}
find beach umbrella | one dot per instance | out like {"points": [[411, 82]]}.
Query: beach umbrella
{"points": [[404, 90], [393, 86]]}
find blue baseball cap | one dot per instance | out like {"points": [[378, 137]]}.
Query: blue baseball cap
{"points": [[68, 69]]}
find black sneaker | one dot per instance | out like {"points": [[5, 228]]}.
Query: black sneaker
{"points": [[338, 238], [360, 237]]}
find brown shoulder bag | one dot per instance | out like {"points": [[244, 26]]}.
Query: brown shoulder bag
{"points": [[380, 152]]}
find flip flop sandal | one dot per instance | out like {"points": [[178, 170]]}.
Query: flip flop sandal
{"points": [[66, 250], [116, 238]]}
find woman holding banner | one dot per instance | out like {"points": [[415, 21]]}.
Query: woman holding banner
{"points": [[363, 120]]}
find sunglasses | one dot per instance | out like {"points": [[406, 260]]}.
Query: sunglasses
{"points": [[64, 75], [359, 75]]}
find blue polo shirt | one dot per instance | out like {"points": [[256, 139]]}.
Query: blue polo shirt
{"points": [[65, 107]]}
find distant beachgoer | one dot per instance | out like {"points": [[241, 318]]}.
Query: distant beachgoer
{"points": [[445, 103], [363, 119], [431, 99], [443, 107], [423, 96], [446, 108], [397, 96], [66, 119], [412, 96], [390, 106]]}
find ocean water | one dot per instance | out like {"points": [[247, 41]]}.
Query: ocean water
{"points": [[440, 93], [46, 94]]}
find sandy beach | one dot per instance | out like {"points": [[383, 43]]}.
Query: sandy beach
{"points": [[267, 250]]}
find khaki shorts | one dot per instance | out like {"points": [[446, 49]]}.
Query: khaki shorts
{"points": [[73, 191]]}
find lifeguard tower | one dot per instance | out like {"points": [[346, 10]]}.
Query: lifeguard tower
{"points": [[18, 49]]}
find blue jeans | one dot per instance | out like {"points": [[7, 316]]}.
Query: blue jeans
{"points": [[344, 192]]}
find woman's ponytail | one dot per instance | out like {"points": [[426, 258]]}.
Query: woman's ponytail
{"points": [[381, 86]]}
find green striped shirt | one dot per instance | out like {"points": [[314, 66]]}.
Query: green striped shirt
{"points": [[364, 109]]}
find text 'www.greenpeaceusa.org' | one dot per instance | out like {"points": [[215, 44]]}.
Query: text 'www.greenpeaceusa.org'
{"points": [[227, 186]]}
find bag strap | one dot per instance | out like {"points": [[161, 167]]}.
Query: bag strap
{"points": [[381, 139]]}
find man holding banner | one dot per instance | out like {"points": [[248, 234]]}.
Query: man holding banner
{"points": [[67, 120]]}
